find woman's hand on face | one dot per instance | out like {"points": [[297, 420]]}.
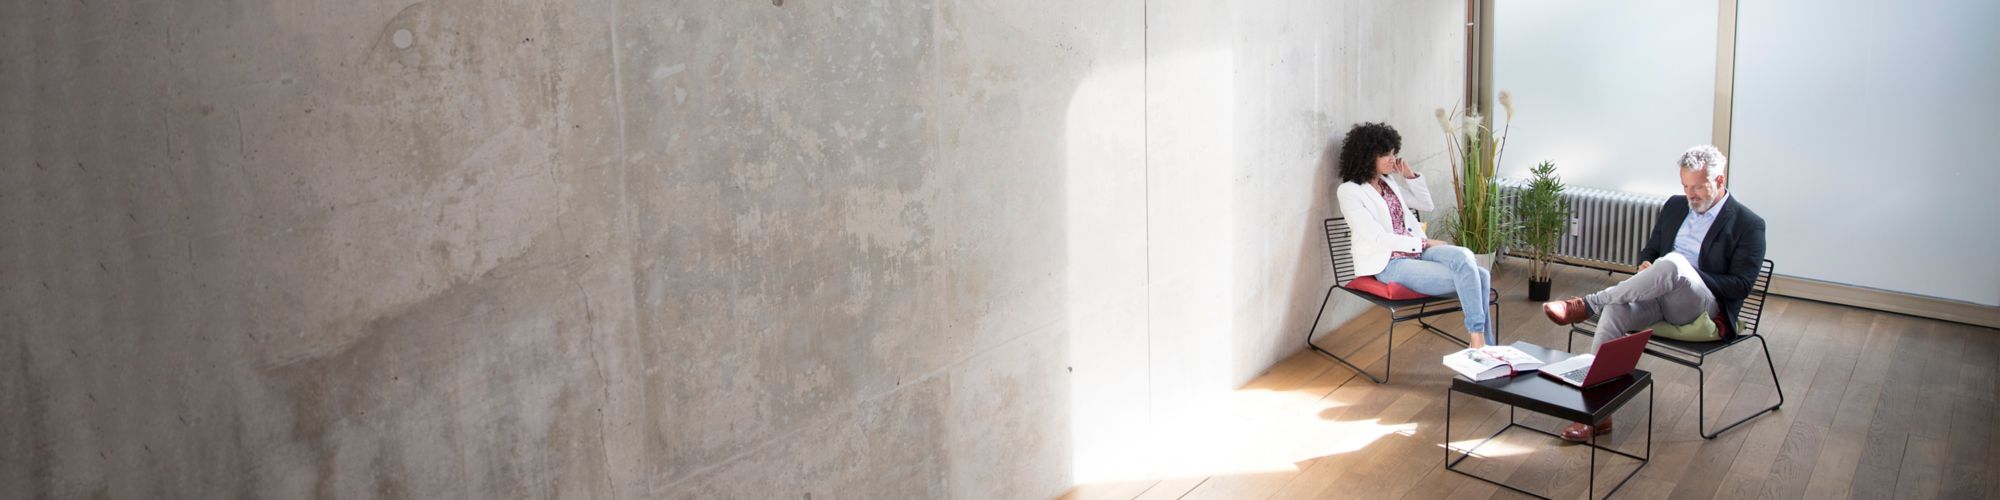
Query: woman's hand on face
{"points": [[1403, 169]]}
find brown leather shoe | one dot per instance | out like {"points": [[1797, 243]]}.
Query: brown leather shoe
{"points": [[1567, 311], [1581, 433]]}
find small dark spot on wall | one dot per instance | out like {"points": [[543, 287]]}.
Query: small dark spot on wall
{"points": [[781, 3]]}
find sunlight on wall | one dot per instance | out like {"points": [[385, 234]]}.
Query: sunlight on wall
{"points": [[1150, 263], [1109, 416], [1150, 277], [1193, 201], [1190, 170]]}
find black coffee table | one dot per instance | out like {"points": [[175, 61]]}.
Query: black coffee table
{"points": [[1534, 392]]}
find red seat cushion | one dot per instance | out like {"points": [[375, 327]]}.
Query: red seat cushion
{"points": [[1391, 291]]}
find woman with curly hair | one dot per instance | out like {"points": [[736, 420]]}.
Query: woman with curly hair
{"points": [[1380, 197]]}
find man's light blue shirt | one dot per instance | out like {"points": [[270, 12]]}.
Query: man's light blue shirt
{"points": [[1695, 228]]}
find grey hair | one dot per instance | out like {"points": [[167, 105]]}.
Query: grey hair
{"points": [[1706, 158]]}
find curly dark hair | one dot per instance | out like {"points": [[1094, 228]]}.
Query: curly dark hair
{"points": [[1366, 142]]}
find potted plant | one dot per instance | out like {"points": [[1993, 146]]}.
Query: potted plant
{"points": [[1544, 215], [1481, 222]]}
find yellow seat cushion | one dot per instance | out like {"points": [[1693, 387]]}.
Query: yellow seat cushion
{"points": [[1701, 330]]}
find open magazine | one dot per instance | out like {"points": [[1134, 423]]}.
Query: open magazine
{"points": [[1491, 362]]}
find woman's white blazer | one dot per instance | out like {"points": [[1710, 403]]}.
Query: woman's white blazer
{"points": [[1368, 219]]}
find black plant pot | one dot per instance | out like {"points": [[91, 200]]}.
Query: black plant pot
{"points": [[1538, 291]]}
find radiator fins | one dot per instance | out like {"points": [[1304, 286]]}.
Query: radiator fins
{"points": [[1610, 226]]}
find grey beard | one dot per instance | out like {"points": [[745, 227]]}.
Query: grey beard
{"points": [[1702, 208]]}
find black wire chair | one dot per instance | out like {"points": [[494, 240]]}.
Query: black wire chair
{"points": [[1338, 244], [1695, 354]]}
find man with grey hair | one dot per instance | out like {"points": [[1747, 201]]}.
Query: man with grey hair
{"points": [[1697, 266]]}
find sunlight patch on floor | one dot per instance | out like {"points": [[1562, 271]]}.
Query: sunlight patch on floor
{"points": [[1259, 431]]}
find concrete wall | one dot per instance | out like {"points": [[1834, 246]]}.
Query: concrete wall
{"points": [[623, 249]]}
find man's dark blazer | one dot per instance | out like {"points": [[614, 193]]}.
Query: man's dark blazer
{"points": [[1731, 254]]}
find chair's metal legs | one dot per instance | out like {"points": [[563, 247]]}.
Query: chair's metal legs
{"points": [[1701, 422], [1493, 317], [1701, 402], [1701, 385], [1774, 370], [1388, 358], [1492, 321], [1441, 333], [1322, 312], [1336, 357]]}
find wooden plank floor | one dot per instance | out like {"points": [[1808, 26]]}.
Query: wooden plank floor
{"points": [[1877, 405]]}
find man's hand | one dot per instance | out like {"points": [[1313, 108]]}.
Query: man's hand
{"points": [[1644, 265], [1403, 169]]}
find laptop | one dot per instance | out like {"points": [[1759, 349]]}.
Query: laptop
{"points": [[1614, 359]]}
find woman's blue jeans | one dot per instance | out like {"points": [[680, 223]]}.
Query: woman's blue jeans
{"points": [[1448, 270]]}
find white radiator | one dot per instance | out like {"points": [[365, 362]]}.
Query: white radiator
{"points": [[1605, 227]]}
